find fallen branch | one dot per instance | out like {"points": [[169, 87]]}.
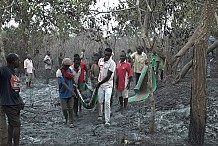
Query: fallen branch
{"points": [[186, 68]]}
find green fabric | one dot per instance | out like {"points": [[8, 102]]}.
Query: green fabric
{"points": [[155, 59], [141, 88], [83, 86], [92, 102]]}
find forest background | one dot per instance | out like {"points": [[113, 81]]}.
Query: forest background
{"points": [[181, 28]]}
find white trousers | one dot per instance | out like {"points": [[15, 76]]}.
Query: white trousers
{"points": [[104, 95]]}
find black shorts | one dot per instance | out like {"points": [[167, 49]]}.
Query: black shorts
{"points": [[13, 114]]}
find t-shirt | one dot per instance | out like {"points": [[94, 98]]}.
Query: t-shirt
{"points": [[138, 61], [76, 73], [123, 72], [63, 92], [95, 70], [28, 65], [48, 61], [109, 65], [156, 58], [9, 87], [82, 74]]}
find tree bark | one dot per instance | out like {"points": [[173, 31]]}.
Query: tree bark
{"points": [[187, 67], [198, 98], [3, 124], [189, 44]]}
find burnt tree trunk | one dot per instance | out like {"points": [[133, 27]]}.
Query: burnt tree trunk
{"points": [[198, 97]]}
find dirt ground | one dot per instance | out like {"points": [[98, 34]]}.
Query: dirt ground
{"points": [[43, 123]]}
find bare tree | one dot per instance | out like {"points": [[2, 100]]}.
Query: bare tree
{"points": [[198, 97]]}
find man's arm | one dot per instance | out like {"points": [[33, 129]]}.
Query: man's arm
{"points": [[111, 69], [1, 72], [68, 88], [21, 102], [129, 71], [62, 81], [109, 73], [87, 72]]}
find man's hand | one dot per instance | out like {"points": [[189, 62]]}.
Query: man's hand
{"points": [[73, 94], [128, 86], [98, 85]]}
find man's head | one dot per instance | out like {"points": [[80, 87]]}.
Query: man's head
{"points": [[139, 50], [48, 53], [107, 54], [76, 60], [13, 60], [66, 63], [28, 56], [122, 56], [129, 51]]}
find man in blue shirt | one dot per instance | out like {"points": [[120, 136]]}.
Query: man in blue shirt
{"points": [[10, 99], [65, 80]]}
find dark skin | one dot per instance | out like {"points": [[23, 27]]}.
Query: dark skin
{"points": [[14, 131], [107, 56], [139, 51], [122, 59], [76, 67], [92, 72], [46, 61], [65, 85]]}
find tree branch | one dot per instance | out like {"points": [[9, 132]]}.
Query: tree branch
{"points": [[112, 10], [12, 3], [216, 17], [149, 8]]}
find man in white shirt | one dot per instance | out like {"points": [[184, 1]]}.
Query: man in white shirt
{"points": [[139, 61], [28, 67], [76, 70], [48, 63], [105, 84]]}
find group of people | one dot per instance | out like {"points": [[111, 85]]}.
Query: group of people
{"points": [[105, 74], [71, 76]]}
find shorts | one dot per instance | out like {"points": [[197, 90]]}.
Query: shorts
{"points": [[29, 77], [13, 114], [67, 103], [123, 93]]}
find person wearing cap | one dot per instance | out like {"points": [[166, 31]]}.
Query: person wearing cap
{"points": [[65, 81]]}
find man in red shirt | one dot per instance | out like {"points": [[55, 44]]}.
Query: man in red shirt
{"points": [[82, 75], [124, 76]]}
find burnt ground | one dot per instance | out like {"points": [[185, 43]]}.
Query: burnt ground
{"points": [[43, 123]]}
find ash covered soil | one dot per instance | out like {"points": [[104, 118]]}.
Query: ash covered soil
{"points": [[43, 122]]}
